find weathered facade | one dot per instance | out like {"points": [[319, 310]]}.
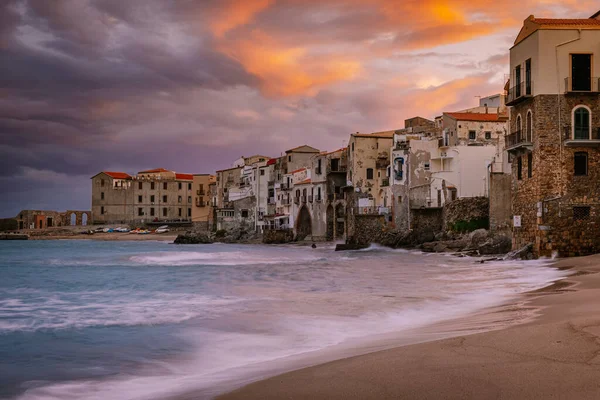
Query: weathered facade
{"points": [[202, 210], [554, 123], [43, 219]]}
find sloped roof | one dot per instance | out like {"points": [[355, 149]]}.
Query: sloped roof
{"points": [[303, 149], [597, 15], [154, 171], [184, 177], [304, 182], [298, 170], [478, 117], [334, 151], [115, 175], [533, 24]]}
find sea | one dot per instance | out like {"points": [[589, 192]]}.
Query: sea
{"points": [[85, 319]]}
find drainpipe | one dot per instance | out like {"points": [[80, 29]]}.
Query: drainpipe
{"points": [[558, 110]]}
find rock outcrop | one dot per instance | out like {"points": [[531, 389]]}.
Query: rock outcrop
{"points": [[193, 238]]}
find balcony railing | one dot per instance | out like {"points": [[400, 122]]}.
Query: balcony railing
{"points": [[304, 198], [200, 192], [385, 182], [335, 196], [310, 199], [517, 139], [271, 200], [296, 200], [285, 202], [519, 93], [284, 186], [318, 199], [382, 163], [200, 203], [591, 85], [581, 136], [318, 170]]}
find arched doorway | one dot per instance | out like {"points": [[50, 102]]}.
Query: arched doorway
{"points": [[84, 219], [73, 219], [330, 218], [303, 224], [339, 221]]}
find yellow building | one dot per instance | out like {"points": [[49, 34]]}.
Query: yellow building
{"points": [[202, 210]]}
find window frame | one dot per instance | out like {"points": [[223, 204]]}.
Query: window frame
{"points": [[573, 121], [371, 172], [580, 154]]}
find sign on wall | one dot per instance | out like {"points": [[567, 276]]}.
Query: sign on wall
{"points": [[517, 221]]}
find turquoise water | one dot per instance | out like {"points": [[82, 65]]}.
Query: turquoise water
{"points": [[141, 320]]}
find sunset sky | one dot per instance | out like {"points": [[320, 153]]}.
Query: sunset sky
{"points": [[127, 85]]}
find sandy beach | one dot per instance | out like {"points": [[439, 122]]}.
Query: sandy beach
{"points": [[110, 236], [555, 356]]}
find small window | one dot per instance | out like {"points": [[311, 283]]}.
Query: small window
{"points": [[180, 212], [244, 213], [151, 185], [102, 210], [179, 185], [399, 199], [152, 199], [189, 186], [262, 171], [581, 213], [289, 158], [165, 185], [488, 135], [179, 199], [140, 185], [152, 212], [426, 166], [140, 199], [101, 182], [140, 211], [472, 135], [580, 163], [519, 168], [164, 211], [189, 199], [529, 165], [369, 173], [581, 124], [102, 196], [164, 199], [189, 212]]}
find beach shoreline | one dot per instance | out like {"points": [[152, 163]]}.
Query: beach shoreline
{"points": [[553, 355]]}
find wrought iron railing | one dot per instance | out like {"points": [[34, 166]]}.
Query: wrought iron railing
{"points": [[516, 138], [582, 85], [519, 91]]}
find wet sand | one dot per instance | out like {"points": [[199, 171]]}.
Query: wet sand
{"points": [[555, 356], [112, 236]]}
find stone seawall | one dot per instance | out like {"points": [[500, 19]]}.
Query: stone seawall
{"points": [[467, 214]]}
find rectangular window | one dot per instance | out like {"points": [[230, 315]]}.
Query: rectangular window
{"points": [[164, 199], [528, 77], [189, 186], [152, 199], [102, 210], [244, 213], [151, 185], [369, 173], [427, 166], [179, 185], [335, 164], [289, 158], [581, 72], [581, 213], [165, 185], [102, 196], [180, 212], [529, 165], [179, 200], [472, 135], [140, 185], [519, 168], [189, 199], [140, 199], [101, 182], [164, 211], [140, 211], [262, 171], [518, 81], [580, 163], [488, 135], [152, 212], [189, 212]]}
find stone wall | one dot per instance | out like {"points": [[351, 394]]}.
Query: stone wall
{"points": [[500, 203], [367, 229], [466, 214], [273, 236], [8, 224], [426, 221]]}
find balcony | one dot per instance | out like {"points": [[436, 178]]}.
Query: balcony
{"points": [[200, 203], [296, 200], [271, 200], [519, 93], [335, 196], [582, 138], [382, 163], [518, 140], [318, 170], [585, 85], [284, 186], [318, 199], [200, 192], [285, 202], [310, 198], [304, 198], [385, 182]]}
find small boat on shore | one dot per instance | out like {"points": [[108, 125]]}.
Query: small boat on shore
{"points": [[162, 229]]}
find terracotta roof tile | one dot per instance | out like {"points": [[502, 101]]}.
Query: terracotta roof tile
{"points": [[566, 22], [184, 177], [153, 171], [117, 175], [304, 182], [478, 117], [298, 170]]}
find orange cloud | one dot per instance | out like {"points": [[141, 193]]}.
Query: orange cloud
{"points": [[232, 14]]}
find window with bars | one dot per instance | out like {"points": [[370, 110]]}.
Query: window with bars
{"points": [[581, 213]]}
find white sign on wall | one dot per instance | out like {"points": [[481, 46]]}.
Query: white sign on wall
{"points": [[517, 221]]}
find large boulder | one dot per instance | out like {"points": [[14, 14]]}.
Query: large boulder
{"points": [[495, 245], [478, 237], [193, 238]]}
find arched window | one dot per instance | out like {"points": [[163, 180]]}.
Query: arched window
{"points": [[519, 128], [581, 123], [529, 127]]}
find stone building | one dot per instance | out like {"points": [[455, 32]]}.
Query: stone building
{"points": [[43, 219], [202, 210], [156, 195], [554, 135], [369, 171]]}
